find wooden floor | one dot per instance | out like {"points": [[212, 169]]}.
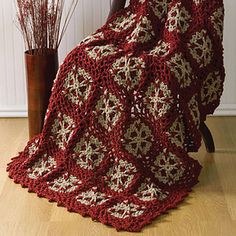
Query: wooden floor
{"points": [[209, 210]]}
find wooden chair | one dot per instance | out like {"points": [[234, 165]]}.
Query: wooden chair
{"points": [[207, 138]]}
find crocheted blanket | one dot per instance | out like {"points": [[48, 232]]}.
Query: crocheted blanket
{"points": [[124, 112]]}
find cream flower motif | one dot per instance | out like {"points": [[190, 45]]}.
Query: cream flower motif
{"points": [[43, 166], [62, 129], [126, 209], [160, 8], [217, 19], [177, 132], [178, 19], [148, 191], [211, 88], [200, 46], [161, 49], [98, 52], [92, 197], [158, 99], [65, 183], [77, 86], [182, 69], [108, 110], [167, 168], [32, 149], [138, 138], [120, 175], [122, 22], [89, 152], [197, 2], [127, 71], [194, 111], [91, 38], [142, 32]]}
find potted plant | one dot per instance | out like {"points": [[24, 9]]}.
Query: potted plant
{"points": [[40, 22]]}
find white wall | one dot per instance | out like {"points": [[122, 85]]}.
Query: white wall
{"points": [[89, 15]]}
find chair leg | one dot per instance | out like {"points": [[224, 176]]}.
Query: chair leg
{"points": [[207, 138]]}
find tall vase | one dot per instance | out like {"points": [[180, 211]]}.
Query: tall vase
{"points": [[40, 72]]}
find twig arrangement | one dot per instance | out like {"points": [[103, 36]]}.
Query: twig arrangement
{"points": [[41, 24]]}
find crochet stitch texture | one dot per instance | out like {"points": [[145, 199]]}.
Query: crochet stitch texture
{"points": [[125, 110]]}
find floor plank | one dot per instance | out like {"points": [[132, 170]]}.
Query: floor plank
{"points": [[209, 210]]}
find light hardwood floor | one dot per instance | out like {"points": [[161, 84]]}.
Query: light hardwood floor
{"points": [[209, 210]]}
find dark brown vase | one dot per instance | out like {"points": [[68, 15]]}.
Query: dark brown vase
{"points": [[40, 71]]}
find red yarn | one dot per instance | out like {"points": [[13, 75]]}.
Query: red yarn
{"points": [[125, 111]]}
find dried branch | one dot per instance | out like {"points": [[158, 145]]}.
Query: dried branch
{"points": [[40, 22]]}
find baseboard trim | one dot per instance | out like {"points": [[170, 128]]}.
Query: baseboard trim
{"points": [[13, 112], [225, 110], [222, 110]]}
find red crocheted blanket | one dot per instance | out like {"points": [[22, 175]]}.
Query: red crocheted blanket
{"points": [[124, 112]]}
